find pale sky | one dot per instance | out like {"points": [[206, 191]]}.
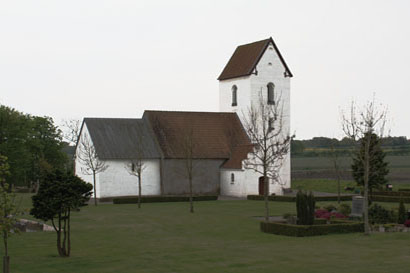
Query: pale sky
{"points": [[117, 58]]}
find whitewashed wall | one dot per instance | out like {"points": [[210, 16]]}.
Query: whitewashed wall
{"points": [[246, 182], [270, 69], [116, 181]]}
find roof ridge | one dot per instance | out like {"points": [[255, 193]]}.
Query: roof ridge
{"points": [[196, 112]]}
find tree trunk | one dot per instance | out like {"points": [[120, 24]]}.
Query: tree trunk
{"points": [[366, 187], [6, 264], [139, 190], [68, 234], [95, 190], [190, 196], [6, 258], [338, 188], [266, 194]]}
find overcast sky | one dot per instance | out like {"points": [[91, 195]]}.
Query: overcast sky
{"points": [[117, 58]]}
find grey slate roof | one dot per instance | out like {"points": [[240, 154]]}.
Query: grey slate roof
{"points": [[116, 138]]}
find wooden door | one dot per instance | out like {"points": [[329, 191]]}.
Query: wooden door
{"points": [[261, 186]]}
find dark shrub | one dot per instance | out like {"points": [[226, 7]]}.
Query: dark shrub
{"points": [[344, 209], [380, 215], [305, 207], [402, 213], [330, 207]]}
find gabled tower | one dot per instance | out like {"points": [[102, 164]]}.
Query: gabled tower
{"points": [[254, 70]]}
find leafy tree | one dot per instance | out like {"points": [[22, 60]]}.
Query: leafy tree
{"points": [[378, 168], [33, 145], [8, 211], [362, 124], [60, 193]]}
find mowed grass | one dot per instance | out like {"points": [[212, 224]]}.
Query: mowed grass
{"points": [[221, 236], [329, 185]]}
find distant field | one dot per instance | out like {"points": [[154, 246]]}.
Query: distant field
{"points": [[329, 185], [322, 168]]}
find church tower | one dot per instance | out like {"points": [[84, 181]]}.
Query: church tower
{"points": [[257, 70]]}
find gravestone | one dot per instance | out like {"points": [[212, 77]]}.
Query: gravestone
{"points": [[357, 206]]}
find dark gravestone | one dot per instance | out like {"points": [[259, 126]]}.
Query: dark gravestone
{"points": [[357, 206]]}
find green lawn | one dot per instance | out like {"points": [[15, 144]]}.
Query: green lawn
{"points": [[221, 236]]}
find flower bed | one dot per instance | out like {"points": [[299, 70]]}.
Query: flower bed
{"points": [[322, 213]]}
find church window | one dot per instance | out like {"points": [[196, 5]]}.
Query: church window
{"points": [[271, 98], [133, 167], [234, 95], [232, 178]]}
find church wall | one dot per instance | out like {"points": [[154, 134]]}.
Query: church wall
{"points": [[246, 182], [116, 181], [206, 178]]}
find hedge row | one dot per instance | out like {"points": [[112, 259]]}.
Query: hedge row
{"points": [[392, 193], [282, 198], [155, 199], [395, 199], [404, 189], [336, 226]]}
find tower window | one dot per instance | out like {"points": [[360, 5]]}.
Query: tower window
{"points": [[234, 95], [232, 178], [271, 98]]}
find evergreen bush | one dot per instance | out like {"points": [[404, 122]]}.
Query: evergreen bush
{"points": [[402, 213]]}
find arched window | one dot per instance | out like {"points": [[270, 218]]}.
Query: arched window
{"points": [[271, 96], [234, 95], [232, 178]]}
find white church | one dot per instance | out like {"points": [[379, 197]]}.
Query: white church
{"points": [[221, 143]]}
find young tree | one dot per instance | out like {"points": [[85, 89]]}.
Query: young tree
{"points": [[72, 129], [136, 166], [264, 124], [362, 124], [188, 147], [60, 193], [336, 167], [87, 155], [378, 168], [8, 211]]}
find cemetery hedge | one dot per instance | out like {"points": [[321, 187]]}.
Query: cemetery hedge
{"points": [[392, 193], [335, 227], [281, 198], [395, 199], [155, 199]]}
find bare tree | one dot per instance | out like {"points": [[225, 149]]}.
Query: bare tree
{"points": [[264, 124], [336, 167], [136, 166], [188, 147], [361, 124], [71, 131], [87, 155]]}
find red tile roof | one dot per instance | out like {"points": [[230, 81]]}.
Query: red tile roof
{"points": [[214, 135], [246, 57]]}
